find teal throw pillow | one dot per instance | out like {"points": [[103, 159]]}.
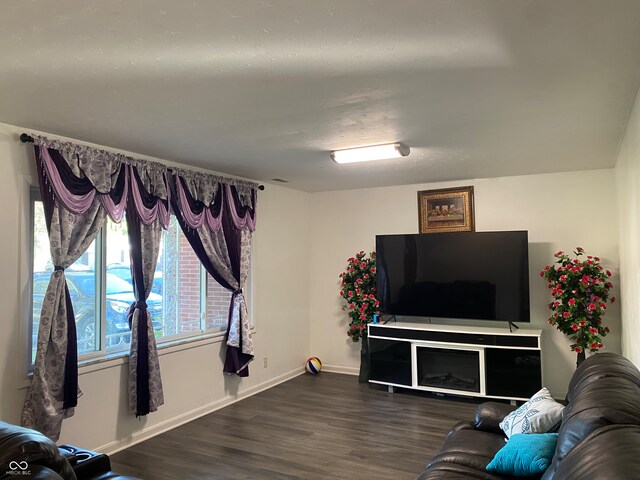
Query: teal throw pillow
{"points": [[525, 454]]}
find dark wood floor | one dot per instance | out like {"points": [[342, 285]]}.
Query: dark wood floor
{"points": [[313, 427]]}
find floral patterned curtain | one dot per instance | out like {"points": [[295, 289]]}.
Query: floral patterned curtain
{"points": [[217, 218], [80, 186], [74, 216]]}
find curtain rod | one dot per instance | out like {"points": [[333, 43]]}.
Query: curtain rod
{"points": [[26, 138]]}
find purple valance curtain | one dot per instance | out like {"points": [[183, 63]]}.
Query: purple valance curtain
{"points": [[217, 219], [80, 186]]}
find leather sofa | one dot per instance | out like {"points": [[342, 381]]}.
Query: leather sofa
{"points": [[598, 438], [26, 453]]}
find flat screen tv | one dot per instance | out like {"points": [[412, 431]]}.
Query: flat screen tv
{"points": [[462, 275]]}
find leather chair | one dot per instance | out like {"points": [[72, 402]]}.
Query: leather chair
{"points": [[26, 453]]}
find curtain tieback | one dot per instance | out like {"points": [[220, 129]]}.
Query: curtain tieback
{"points": [[141, 304], [58, 268]]}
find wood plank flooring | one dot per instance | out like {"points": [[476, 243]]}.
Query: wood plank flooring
{"points": [[312, 427]]}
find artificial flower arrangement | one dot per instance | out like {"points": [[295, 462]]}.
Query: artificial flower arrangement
{"points": [[580, 289], [358, 289]]}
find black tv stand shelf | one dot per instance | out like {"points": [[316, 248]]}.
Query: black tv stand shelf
{"points": [[471, 361]]}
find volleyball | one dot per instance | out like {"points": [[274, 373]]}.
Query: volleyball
{"points": [[313, 365]]}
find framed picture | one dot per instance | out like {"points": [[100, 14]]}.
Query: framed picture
{"points": [[446, 210]]}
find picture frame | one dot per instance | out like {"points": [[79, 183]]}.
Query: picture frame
{"points": [[446, 210]]}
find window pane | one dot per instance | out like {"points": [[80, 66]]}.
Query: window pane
{"points": [[118, 287], [182, 284], [218, 299], [81, 281]]}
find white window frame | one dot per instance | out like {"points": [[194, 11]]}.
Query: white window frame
{"points": [[104, 354]]}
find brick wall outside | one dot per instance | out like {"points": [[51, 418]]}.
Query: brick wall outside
{"points": [[188, 291]]}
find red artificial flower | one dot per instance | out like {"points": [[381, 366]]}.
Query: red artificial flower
{"points": [[547, 268], [600, 345], [572, 301], [603, 305], [366, 275], [609, 284], [363, 265], [592, 306], [574, 327], [563, 278], [358, 291], [341, 293], [363, 317], [589, 257], [606, 329], [350, 294], [583, 323], [362, 327], [597, 259], [579, 249], [593, 330], [558, 253], [373, 270], [377, 303], [566, 314], [352, 305], [577, 349], [358, 280], [541, 274], [608, 273], [593, 345], [613, 299], [371, 296]]}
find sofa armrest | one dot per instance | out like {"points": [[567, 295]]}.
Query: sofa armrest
{"points": [[490, 414], [461, 426]]}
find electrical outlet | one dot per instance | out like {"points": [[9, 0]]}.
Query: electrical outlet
{"points": [[265, 362]]}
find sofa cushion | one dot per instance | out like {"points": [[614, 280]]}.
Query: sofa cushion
{"points": [[452, 471], [608, 402], [599, 366], [538, 415], [525, 455]]}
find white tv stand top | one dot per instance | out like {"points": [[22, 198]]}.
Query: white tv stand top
{"points": [[432, 327]]}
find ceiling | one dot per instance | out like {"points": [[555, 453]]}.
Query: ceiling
{"points": [[265, 89]]}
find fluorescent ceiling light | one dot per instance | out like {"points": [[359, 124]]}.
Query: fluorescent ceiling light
{"points": [[375, 152]]}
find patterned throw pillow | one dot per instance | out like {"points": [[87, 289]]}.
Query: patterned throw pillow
{"points": [[538, 415]]}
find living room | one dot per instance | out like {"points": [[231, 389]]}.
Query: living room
{"points": [[305, 233]]}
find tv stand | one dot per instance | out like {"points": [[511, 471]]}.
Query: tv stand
{"points": [[472, 361]]}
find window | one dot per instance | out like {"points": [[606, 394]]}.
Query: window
{"points": [[184, 301]]}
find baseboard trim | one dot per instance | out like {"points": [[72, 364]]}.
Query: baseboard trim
{"points": [[147, 433], [341, 369]]}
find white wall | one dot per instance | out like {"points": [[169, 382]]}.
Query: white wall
{"points": [[193, 382], [628, 183], [560, 211]]}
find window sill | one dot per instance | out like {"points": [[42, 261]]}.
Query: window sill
{"points": [[120, 358]]}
